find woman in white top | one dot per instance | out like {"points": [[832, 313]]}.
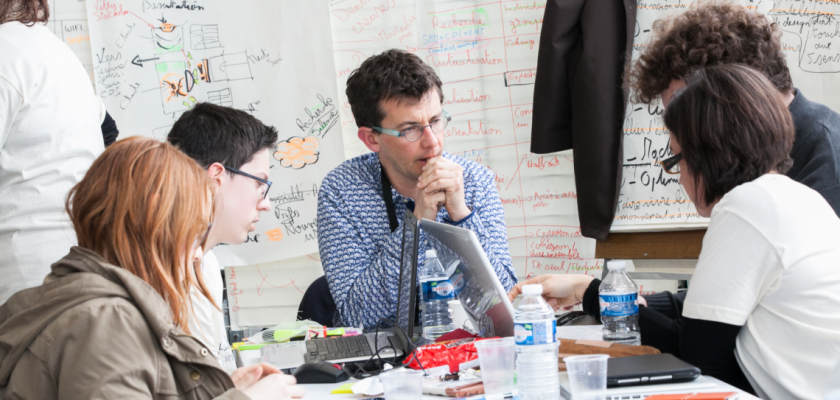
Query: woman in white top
{"points": [[763, 307], [49, 136]]}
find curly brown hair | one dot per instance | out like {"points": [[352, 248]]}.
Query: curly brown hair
{"points": [[27, 12], [709, 33]]}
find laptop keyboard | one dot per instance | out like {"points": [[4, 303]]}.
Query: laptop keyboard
{"points": [[341, 347]]}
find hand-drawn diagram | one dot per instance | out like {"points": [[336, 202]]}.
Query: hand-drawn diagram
{"points": [[167, 38], [298, 152], [204, 37], [155, 62]]}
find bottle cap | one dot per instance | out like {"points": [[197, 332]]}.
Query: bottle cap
{"points": [[529, 290], [431, 253], [613, 265]]}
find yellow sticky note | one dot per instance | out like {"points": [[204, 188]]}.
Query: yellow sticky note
{"points": [[343, 389]]}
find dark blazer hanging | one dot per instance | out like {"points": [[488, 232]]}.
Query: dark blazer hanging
{"points": [[579, 102]]}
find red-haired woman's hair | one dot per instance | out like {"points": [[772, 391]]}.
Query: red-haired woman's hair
{"points": [[141, 206]]}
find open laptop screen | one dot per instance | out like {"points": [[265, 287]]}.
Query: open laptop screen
{"points": [[407, 295]]}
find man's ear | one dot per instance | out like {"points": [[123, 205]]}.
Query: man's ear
{"points": [[370, 139], [215, 171]]}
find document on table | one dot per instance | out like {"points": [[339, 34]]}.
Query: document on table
{"points": [[580, 332]]}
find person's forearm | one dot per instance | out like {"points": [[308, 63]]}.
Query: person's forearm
{"points": [[590, 301], [667, 303]]}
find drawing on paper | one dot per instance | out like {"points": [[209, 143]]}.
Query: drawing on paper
{"points": [[298, 152], [204, 37], [167, 37]]}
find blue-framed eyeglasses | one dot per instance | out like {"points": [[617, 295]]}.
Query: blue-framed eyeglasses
{"points": [[414, 132], [262, 182]]}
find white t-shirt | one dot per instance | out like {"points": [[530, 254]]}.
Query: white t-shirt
{"points": [[50, 134], [771, 263], [206, 322]]}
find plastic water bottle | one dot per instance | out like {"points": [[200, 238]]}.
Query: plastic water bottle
{"points": [[618, 295], [435, 292], [536, 347]]}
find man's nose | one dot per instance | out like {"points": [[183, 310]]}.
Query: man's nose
{"points": [[429, 138], [264, 205]]}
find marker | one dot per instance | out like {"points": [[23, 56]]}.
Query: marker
{"points": [[506, 396]]}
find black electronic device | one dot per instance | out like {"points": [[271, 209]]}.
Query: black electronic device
{"points": [[649, 369], [320, 372], [388, 342], [569, 317], [407, 294]]}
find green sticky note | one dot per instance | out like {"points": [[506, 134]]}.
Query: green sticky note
{"points": [[335, 332]]}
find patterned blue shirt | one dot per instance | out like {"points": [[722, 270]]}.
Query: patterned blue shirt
{"points": [[360, 254]]}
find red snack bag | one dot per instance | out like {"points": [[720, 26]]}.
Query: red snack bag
{"points": [[455, 354]]}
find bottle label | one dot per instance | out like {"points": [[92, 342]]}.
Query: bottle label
{"points": [[437, 290], [535, 332], [458, 281], [618, 305]]}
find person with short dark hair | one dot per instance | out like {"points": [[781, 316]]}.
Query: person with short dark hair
{"points": [[715, 33], [233, 147], [49, 136], [396, 100], [763, 306]]}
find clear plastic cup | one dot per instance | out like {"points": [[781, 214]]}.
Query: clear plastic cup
{"points": [[402, 384], [496, 359], [588, 376]]}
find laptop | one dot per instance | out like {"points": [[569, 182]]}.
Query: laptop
{"points": [[649, 369], [473, 277], [389, 342], [701, 384]]}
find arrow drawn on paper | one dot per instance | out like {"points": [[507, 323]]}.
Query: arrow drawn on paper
{"points": [[138, 62]]}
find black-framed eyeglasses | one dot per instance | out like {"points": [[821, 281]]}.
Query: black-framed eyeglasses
{"points": [[260, 180], [203, 240], [671, 165], [414, 132]]}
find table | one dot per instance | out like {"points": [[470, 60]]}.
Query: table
{"points": [[322, 391]]}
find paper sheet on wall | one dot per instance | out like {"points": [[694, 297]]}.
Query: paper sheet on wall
{"points": [[154, 60], [267, 294], [68, 20], [653, 200], [486, 56]]}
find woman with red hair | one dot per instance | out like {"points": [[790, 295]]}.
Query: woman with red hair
{"points": [[110, 321]]}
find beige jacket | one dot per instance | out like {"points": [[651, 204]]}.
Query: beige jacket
{"points": [[96, 331]]}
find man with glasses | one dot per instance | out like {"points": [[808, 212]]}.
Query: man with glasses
{"points": [[233, 147], [396, 101]]}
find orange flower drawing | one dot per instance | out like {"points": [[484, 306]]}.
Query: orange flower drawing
{"points": [[298, 152], [274, 235]]}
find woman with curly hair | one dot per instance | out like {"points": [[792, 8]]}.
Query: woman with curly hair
{"points": [[763, 307]]}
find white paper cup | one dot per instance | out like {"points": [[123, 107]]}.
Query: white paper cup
{"points": [[588, 376], [402, 384], [496, 359]]}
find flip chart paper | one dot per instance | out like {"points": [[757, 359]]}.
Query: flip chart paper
{"points": [[155, 60]]}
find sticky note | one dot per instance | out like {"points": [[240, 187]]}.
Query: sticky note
{"points": [[343, 389]]}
